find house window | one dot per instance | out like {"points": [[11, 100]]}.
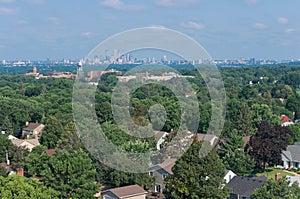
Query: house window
{"points": [[151, 174], [163, 176], [158, 188]]}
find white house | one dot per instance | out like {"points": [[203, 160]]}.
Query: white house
{"points": [[228, 176], [160, 138], [293, 179], [291, 157]]}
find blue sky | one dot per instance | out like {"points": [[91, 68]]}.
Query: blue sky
{"points": [[56, 29]]}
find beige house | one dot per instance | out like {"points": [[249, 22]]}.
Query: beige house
{"points": [[160, 172], [28, 144], [128, 192], [32, 129]]}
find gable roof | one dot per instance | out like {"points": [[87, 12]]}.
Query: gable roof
{"points": [[126, 192], [292, 153], [285, 119], [167, 165], [26, 143], [245, 186], [6, 166], [208, 137], [50, 151], [32, 126], [159, 134]]}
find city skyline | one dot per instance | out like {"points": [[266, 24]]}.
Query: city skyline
{"points": [[39, 29]]}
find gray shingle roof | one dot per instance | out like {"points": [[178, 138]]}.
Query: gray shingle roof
{"points": [[244, 186], [293, 153]]}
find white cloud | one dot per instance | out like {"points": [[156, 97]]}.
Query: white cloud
{"points": [[8, 11], [54, 20], [157, 26], [283, 20], [290, 30], [87, 34], [251, 2], [20, 22], [193, 25], [120, 5], [259, 26], [7, 1], [175, 3], [35, 1]]}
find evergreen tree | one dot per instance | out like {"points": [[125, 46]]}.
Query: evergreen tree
{"points": [[277, 190], [196, 177]]}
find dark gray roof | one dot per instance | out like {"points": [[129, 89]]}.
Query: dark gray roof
{"points": [[245, 186], [293, 153]]}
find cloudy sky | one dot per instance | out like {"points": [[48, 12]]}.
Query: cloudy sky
{"points": [[40, 29]]}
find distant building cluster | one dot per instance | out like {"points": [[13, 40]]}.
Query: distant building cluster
{"points": [[145, 77], [119, 59], [54, 75]]}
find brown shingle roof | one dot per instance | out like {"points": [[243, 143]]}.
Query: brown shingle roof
{"points": [[159, 135], [50, 152], [167, 165], [34, 142], [128, 191], [32, 126], [19, 142], [208, 138], [8, 167]]}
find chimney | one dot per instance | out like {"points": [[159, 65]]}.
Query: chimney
{"points": [[7, 160], [20, 171], [277, 176], [26, 124]]}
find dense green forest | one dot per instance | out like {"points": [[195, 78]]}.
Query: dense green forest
{"points": [[255, 96]]}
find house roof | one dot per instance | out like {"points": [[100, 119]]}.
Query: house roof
{"points": [[245, 186], [293, 179], [246, 140], [128, 191], [19, 142], [32, 126], [167, 165], [292, 153], [50, 152], [5, 165], [208, 137], [159, 134], [285, 119]]}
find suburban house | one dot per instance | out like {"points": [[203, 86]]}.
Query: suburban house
{"points": [[212, 139], [160, 138], [291, 156], [243, 187], [32, 129], [50, 152], [28, 144], [127, 192], [8, 167], [286, 121], [293, 179], [160, 171], [229, 176]]}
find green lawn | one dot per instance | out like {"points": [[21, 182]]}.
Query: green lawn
{"points": [[271, 172], [298, 91]]}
